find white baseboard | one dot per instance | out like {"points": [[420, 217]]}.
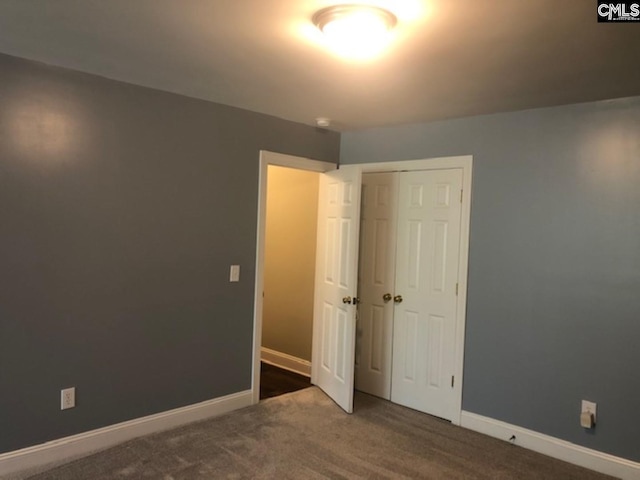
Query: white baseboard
{"points": [[288, 362], [553, 447], [75, 446]]}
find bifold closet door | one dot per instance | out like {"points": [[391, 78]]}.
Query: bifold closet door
{"points": [[375, 280], [428, 241]]}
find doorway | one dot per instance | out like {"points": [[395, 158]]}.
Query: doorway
{"points": [[289, 275], [272, 351]]}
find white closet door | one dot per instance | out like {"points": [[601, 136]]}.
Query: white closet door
{"points": [[334, 320], [376, 279], [426, 280]]}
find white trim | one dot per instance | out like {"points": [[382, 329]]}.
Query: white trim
{"points": [[282, 160], [436, 163], [553, 447], [465, 163], [286, 361], [75, 446]]}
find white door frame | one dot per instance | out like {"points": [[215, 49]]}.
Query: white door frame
{"points": [[464, 162], [281, 160]]}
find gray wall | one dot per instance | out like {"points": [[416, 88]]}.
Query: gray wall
{"points": [[554, 276], [121, 209]]}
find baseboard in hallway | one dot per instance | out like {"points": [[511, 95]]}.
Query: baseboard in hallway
{"points": [[286, 361]]}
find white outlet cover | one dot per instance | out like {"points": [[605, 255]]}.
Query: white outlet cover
{"points": [[67, 398]]}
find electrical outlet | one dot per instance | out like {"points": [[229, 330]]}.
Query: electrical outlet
{"points": [[67, 398], [589, 407]]}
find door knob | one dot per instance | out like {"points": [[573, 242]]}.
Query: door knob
{"points": [[346, 300], [397, 299], [386, 297]]}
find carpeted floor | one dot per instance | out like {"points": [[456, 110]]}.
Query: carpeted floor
{"points": [[304, 435]]}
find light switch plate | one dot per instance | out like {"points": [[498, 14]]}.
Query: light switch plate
{"points": [[234, 273], [589, 407]]}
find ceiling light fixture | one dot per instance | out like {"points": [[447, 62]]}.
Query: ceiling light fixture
{"points": [[356, 31]]}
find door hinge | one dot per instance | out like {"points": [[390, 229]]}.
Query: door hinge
{"points": [[461, 192], [452, 380], [457, 286]]}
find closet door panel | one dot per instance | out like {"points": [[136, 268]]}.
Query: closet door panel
{"points": [[376, 278], [428, 242]]}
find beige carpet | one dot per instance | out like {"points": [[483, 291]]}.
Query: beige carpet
{"points": [[304, 435]]}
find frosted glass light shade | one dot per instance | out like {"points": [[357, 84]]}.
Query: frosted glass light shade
{"points": [[358, 31]]}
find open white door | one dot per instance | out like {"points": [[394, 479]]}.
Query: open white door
{"points": [[334, 318]]}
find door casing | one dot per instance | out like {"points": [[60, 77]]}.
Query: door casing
{"points": [[464, 162]]}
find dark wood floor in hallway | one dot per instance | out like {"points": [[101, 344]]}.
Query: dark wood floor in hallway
{"points": [[276, 381]]}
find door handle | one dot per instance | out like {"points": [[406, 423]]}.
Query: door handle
{"points": [[397, 299], [386, 297], [346, 300]]}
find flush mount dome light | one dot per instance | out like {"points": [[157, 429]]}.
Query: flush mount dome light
{"points": [[356, 31]]}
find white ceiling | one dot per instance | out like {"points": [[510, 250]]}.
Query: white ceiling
{"points": [[450, 58]]}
